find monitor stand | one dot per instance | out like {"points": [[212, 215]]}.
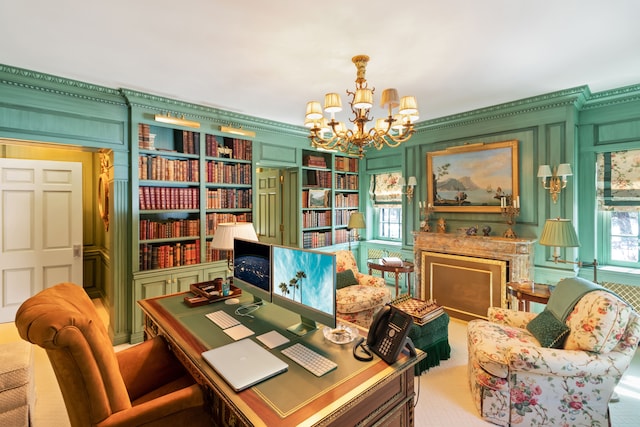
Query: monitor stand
{"points": [[305, 326]]}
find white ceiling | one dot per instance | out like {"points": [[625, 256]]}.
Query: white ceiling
{"points": [[268, 58]]}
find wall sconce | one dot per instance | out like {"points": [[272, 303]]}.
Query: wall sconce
{"points": [[557, 178], [237, 131], [180, 121], [411, 184]]}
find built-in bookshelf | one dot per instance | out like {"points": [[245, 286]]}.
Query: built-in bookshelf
{"points": [[188, 183], [329, 196]]}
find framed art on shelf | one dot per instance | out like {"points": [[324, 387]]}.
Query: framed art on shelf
{"points": [[473, 177], [318, 198]]}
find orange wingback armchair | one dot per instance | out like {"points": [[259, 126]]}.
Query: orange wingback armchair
{"points": [[142, 385]]}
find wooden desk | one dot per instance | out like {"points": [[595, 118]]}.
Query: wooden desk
{"points": [[356, 393], [406, 267], [525, 294]]}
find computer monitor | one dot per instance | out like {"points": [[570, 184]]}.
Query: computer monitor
{"points": [[252, 268], [304, 281]]}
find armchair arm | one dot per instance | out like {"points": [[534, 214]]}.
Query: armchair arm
{"points": [[565, 363], [505, 316], [147, 366], [367, 280]]}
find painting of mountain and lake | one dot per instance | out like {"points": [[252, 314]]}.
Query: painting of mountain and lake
{"points": [[473, 177]]}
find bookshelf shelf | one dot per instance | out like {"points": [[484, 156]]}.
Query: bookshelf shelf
{"points": [[188, 182], [329, 195]]}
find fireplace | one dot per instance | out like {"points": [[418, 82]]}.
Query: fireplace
{"points": [[468, 274]]}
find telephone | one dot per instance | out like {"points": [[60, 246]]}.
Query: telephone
{"points": [[388, 335]]}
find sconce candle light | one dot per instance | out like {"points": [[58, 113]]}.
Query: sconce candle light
{"points": [[411, 184], [557, 178]]}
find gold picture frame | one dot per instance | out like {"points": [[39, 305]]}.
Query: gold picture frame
{"points": [[473, 177]]}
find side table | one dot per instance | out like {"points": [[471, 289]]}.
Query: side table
{"points": [[406, 267], [525, 294]]}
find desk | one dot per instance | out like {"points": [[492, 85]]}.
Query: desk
{"points": [[406, 267], [525, 294], [362, 393]]}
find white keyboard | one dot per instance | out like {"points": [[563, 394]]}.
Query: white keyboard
{"points": [[313, 362], [222, 319]]}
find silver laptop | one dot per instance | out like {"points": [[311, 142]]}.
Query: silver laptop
{"points": [[244, 363]]}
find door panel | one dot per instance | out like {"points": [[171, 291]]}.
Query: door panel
{"points": [[269, 218], [40, 228]]}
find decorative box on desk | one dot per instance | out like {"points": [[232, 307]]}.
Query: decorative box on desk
{"points": [[430, 331], [209, 292]]}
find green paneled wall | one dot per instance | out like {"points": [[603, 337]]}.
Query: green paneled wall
{"points": [[570, 125]]}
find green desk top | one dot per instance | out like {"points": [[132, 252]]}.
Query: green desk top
{"points": [[288, 391]]}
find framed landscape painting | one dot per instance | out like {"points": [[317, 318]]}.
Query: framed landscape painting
{"points": [[473, 177]]}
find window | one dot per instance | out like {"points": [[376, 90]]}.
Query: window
{"points": [[390, 223], [386, 192], [623, 236], [618, 200]]}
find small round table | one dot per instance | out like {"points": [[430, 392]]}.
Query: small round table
{"points": [[526, 294], [406, 267]]}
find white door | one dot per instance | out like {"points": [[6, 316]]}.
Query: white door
{"points": [[40, 229]]}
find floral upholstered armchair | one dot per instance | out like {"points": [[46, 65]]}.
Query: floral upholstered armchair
{"points": [[515, 380], [359, 296]]}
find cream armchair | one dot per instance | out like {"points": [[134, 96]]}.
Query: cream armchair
{"points": [[359, 295], [516, 381]]}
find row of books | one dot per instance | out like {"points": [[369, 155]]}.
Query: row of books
{"points": [[346, 182], [232, 148], [346, 164], [163, 169], [316, 239], [238, 173], [342, 217], [314, 161], [213, 254], [341, 236], [165, 198], [312, 219], [229, 198], [186, 141], [346, 201], [144, 137], [151, 229], [215, 218], [317, 179], [157, 256]]}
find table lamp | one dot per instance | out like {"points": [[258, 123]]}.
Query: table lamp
{"points": [[356, 220], [226, 232], [560, 233]]}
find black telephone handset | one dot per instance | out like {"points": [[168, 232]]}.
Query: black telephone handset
{"points": [[388, 333]]}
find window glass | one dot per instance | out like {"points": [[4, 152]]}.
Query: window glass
{"points": [[624, 237]]}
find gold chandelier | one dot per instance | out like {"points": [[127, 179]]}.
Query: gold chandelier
{"points": [[391, 131]]}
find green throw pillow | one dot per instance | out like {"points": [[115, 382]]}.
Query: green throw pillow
{"points": [[345, 278], [547, 329]]}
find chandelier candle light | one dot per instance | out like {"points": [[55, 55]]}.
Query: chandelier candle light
{"points": [[391, 131]]}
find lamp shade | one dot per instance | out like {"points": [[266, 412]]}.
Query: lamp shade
{"points": [[356, 220], [389, 98], [412, 181], [332, 103], [559, 232], [226, 232], [408, 105], [544, 171], [363, 98], [564, 169], [314, 111]]}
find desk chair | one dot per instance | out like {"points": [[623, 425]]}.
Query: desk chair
{"points": [[142, 385]]}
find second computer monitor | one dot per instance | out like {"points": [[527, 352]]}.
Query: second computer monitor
{"points": [[304, 281]]}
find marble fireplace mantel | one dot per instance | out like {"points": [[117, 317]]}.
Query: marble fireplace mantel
{"points": [[518, 253]]}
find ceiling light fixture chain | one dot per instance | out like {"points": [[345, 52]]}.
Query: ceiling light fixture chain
{"points": [[391, 131]]}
